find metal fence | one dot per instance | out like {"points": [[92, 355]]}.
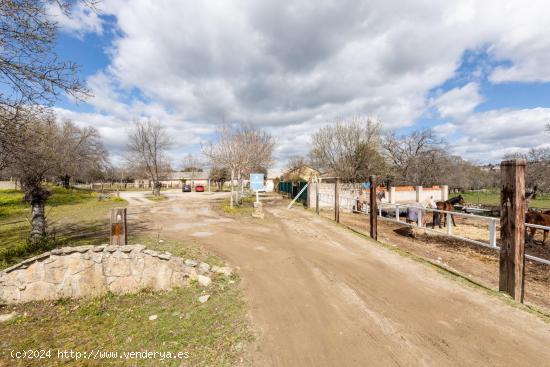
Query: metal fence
{"points": [[292, 189], [492, 223]]}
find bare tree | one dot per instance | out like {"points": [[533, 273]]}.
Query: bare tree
{"points": [[193, 165], [414, 157], [295, 162], [240, 149], [31, 72], [349, 149], [83, 143], [43, 149], [537, 172], [148, 142], [29, 65]]}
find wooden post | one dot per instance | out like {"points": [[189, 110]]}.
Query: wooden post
{"points": [[118, 227], [337, 200], [373, 209], [512, 228], [317, 196]]}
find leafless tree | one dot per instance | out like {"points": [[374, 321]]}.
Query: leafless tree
{"points": [[193, 165], [43, 149], [240, 149], [31, 72], [83, 143], [349, 149], [415, 157], [29, 66], [537, 172], [148, 143], [296, 161]]}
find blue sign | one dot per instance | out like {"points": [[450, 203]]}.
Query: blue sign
{"points": [[257, 182], [366, 185]]}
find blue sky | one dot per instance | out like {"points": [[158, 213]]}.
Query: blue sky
{"points": [[478, 74]]}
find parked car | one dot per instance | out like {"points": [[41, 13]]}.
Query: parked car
{"points": [[186, 188], [199, 188]]}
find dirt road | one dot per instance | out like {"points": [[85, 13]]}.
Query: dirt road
{"points": [[320, 295]]}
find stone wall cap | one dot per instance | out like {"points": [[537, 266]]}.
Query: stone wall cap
{"points": [[126, 248], [82, 249]]}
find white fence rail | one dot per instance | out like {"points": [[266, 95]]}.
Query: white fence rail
{"points": [[491, 243]]}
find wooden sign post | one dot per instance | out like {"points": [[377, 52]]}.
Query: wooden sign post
{"points": [[373, 209], [512, 228], [337, 200], [118, 227]]}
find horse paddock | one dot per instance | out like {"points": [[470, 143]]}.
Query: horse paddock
{"points": [[480, 264]]}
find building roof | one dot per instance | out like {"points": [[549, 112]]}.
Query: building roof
{"points": [[303, 172], [189, 175]]}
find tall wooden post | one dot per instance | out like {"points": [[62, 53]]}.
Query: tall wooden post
{"points": [[337, 200], [373, 209], [512, 228], [317, 196], [118, 227]]}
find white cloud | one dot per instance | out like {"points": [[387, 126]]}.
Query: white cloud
{"points": [[457, 103], [445, 129], [294, 66], [81, 19], [487, 136]]}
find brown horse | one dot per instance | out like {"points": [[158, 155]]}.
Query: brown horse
{"points": [[541, 219], [448, 206]]}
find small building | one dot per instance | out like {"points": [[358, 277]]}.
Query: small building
{"points": [[193, 178], [177, 179], [301, 173]]}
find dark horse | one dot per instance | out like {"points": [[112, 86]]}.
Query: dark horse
{"points": [[448, 206]]}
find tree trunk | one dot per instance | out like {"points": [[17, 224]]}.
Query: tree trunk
{"points": [[65, 180], [156, 188], [37, 196], [232, 177], [38, 221]]}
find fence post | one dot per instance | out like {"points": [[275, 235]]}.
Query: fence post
{"points": [[118, 227], [317, 196], [512, 228], [337, 200], [418, 194], [420, 217], [493, 233], [449, 221], [373, 210], [391, 191], [397, 213], [444, 192]]}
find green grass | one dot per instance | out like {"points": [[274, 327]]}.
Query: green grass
{"points": [[156, 197], [75, 217], [244, 208], [213, 333], [491, 197]]}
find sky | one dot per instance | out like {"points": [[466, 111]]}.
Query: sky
{"points": [[476, 72]]}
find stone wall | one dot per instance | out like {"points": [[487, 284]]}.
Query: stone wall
{"points": [[350, 192], [8, 185], [87, 271]]}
